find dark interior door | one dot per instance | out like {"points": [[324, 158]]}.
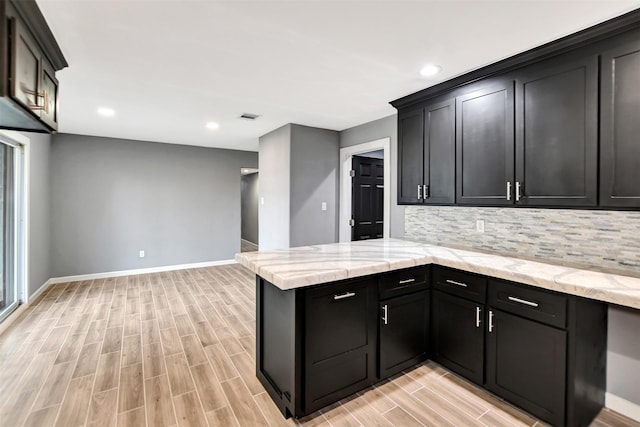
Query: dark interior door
{"points": [[367, 201]]}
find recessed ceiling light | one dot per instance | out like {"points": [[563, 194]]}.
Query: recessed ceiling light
{"points": [[107, 112], [430, 70], [212, 125]]}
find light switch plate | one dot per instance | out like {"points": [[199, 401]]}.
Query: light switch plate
{"points": [[480, 225]]}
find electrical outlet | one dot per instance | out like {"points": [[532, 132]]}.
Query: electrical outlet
{"points": [[141, 254], [480, 225], [262, 200], [324, 206]]}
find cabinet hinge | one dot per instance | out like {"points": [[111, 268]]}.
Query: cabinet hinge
{"points": [[352, 222], [352, 173]]}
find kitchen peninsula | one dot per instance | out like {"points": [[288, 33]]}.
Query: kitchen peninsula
{"points": [[333, 319]]}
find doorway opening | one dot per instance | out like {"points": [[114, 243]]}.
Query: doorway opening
{"points": [[249, 210], [378, 189]]}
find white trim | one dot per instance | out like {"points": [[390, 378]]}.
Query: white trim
{"points": [[12, 317], [345, 184], [104, 275], [623, 406], [41, 290]]}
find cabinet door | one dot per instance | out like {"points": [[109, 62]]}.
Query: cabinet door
{"points": [[339, 341], [485, 145], [556, 133], [458, 335], [526, 364], [620, 127], [410, 156], [25, 68], [404, 331], [439, 153], [49, 89]]}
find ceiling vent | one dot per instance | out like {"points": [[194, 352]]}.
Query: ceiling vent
{"points": [[249, 116]]}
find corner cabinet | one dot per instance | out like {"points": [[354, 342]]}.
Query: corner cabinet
{"points": [[30, 57], [541, 350], [426, 154], [620, 127]]}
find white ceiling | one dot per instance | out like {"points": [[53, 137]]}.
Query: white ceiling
{"points": [[169, 67]]}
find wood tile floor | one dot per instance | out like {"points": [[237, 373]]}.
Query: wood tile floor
{"points": [[177, 348]]}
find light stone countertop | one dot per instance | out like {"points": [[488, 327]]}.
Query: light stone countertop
{"points": [[311, 265]]}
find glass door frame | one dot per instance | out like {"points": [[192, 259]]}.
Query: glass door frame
{"points": [[18, 246]]}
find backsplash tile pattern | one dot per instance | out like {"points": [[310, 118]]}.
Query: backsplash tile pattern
{"points": [[607, 240]]}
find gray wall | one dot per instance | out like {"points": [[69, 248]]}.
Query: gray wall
{"points": [[249, 207], [377, 129], [315, 159], [594, 239], [274, 152], [39, 257], [112, 198]]}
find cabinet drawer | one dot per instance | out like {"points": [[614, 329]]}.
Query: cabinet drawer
{"points": [[402, 282], [460, 283], [536, 304]]}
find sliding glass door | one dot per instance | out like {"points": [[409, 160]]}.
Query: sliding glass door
{"points": [[9, 203]]}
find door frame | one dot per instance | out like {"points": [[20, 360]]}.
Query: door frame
{"points": [[346, 155]]}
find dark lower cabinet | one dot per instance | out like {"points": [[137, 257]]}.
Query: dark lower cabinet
{"points": [[458, 335], [526, 364], [541, 350], [404, 332], [339, 342]]}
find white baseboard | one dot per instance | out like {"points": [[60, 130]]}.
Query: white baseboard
{"points": [[622, 406], [104, 275], [31, 298]]}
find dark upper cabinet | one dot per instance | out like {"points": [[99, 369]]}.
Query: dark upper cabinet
{"points": [[426, 147], [29, 59], [410, 156], [485, 144], [458, 335], [620, 127], [556, 133], [439, 153]]}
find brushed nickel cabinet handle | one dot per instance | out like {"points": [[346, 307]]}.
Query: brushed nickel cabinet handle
{"points": [[490, 321], [518, 188], [478, 311], [345, 295], [403, 282], [385, 316], [453, 282], [508, 190], [523, 301], [419, 192]]}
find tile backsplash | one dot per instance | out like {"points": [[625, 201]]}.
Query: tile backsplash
{"points": [[607, 240]]}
